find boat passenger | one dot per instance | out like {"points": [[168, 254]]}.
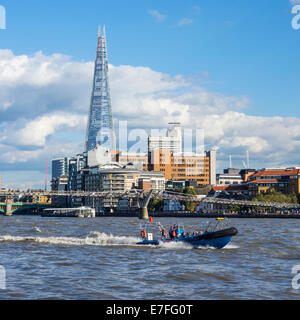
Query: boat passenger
{"points": [[173, 235], [170, 232], [143, 234], [164, 233]]}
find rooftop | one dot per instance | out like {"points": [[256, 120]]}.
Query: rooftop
{"points": [[277, 172]]}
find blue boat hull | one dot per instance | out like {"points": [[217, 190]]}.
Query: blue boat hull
{"points": [[218, 243], [149, 242], [218, 239]]}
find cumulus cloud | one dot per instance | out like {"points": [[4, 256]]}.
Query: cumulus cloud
{"points": [[48, 83], [44, 102], [36, 131], [31, 159]]}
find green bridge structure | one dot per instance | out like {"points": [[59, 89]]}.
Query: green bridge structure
{"points": [[11, 208]]}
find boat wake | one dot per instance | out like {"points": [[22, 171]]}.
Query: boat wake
{"points": [[93, 239], [96, 238]]}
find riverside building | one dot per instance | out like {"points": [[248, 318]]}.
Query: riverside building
{"points": [[286, 180], [230, 176], [138, 159], [165, 154], [113, 177], [189, 167], [60, 167]]}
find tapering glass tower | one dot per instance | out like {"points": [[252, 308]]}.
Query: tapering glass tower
{"points": [[100, 128]]}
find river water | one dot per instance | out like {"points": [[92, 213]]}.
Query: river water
{"points": [[71, 258]]}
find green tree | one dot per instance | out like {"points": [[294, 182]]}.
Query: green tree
{"points": [[275, 196], [189, 205], [156, 204]]}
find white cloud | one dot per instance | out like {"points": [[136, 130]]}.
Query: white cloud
{"points": [[145, 80], [39, 84], [44, 102], [51, 150], [36, 131], [157, 15]]}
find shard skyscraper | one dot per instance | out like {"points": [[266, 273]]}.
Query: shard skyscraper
{"points": [[100, 128]]}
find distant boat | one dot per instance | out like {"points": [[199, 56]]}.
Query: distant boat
{"points": [[216, 235]]}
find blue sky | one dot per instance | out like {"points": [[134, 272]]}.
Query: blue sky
{"points": [[233, 48], [247, 47]]}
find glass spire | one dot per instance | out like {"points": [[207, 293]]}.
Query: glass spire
{"points": [[100, 128]]}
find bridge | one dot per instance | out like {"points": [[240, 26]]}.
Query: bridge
{"points": [[251, 204], [9, 207], [143, 198], [133, 193]]}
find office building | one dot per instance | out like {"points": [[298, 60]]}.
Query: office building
{"points": [[100, 128], [60, 184], [138, 159], [192, 167], [230, 176], [112, 177], [60, 167], [171, 141]]}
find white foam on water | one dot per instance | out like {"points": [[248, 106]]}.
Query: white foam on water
{"points": [[95, 238], [174, 245], [231, 246]]}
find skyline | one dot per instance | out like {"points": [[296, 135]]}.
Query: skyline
{"points": [[158, 73]]}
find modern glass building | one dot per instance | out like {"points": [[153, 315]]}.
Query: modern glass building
{"points": [[100, 129], [60, 167]]}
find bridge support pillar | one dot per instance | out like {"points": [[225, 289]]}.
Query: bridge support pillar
{"points": [[144, 213], [144, 210], [9, 203]]}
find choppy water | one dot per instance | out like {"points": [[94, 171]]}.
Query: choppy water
{"points": [[70, 258]]}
